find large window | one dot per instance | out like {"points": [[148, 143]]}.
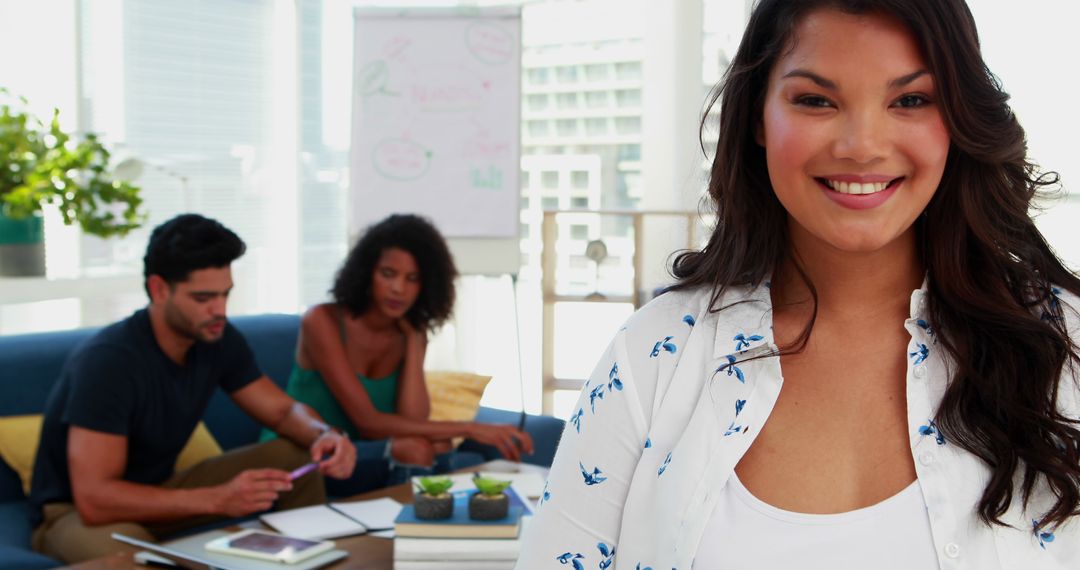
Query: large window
{"points": [[241, 110]]}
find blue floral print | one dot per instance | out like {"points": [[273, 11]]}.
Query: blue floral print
{"points": [[920, 353], [594, 478], [648, 442], [931, 429], [1044, 537], [733, 429], [597, 393], [663, 344], [608, 552], [1053, 306], [689, 319], [925, 326], [576, 419], [574, 559], [664, 466], [545, 496], [613, 378], [742, 342], [739, 406], [732, 369]]}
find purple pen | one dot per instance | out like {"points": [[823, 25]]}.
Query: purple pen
{"points": [[301, 471]]}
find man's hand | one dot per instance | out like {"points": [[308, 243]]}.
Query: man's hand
{"points": [[335, 455], [510, 441], [251, 491]]}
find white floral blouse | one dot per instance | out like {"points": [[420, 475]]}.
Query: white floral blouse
{"points": [[675, 402]]}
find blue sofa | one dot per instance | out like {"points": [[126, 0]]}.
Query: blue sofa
{"points": [[30, 364]]}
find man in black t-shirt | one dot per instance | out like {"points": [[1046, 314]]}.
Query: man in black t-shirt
{"points": [[129, 398]]}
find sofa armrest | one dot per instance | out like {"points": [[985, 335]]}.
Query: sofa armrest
{"points": [[544, 430]]}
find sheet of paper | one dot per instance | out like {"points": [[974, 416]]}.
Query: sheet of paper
{"points": [[506, 466], [375, 514], [317, 522]]}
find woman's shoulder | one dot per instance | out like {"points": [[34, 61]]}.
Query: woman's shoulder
{"points": [[677, 312], [320, 312]]}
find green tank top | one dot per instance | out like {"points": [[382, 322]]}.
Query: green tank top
{"points": [[308, 386]]}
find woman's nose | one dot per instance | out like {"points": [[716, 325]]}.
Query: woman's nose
{"points": [[863, 137]]}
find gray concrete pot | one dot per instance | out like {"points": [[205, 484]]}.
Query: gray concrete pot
{"points": [[430, 508], [22, 247], [488, 507]]}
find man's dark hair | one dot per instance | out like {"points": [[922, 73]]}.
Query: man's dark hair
{"points": [[187, 243], [352, 287]]}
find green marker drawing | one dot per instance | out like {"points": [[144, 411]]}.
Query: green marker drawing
{"points": [[372, 79], [487, 179]]}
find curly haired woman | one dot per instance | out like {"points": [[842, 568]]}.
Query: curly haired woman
{"points": [[359, 359]]}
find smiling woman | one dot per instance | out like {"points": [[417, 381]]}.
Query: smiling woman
{"points": [[871, 362]]}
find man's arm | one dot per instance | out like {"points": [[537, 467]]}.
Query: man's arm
{"points": [[272, 407], [97, 460]]}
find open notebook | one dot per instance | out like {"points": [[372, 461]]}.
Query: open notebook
{"points": [[335, 520]]}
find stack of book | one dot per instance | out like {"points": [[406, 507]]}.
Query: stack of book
{"points": [[459, 542]]}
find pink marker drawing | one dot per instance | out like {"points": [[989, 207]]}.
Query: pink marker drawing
{"points": [[301, 471]]}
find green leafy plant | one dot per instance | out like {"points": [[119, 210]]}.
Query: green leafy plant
{"points": [[41, 164], [434, 486], [490, 487]]}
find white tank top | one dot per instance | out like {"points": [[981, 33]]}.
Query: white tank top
{"points": [[745, 533]]}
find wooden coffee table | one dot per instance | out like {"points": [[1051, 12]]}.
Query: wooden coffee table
{"points": [[365, 552]]}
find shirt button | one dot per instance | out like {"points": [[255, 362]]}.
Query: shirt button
{"points": [[920, 371], [926, 459], [952, 550]]}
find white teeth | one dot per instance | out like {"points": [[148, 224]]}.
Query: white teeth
{"points": [[856, 188]]}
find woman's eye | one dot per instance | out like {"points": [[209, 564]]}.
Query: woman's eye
{"points": [[912, 101], [812, 101]]}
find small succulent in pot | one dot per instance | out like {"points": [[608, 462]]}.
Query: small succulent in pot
{"points": [[490, 502], [433, 500]]}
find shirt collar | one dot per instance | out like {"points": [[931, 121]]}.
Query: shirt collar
{"points": [[744, 321]]}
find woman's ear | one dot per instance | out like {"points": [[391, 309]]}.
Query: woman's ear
{"points": [[759, 132]]}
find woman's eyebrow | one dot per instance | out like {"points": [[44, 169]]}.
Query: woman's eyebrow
{"points": [[821, 81], [830, 84], [905, 79]]}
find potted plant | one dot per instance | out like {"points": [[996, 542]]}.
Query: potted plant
{"points": [[489, 502], [433, 500], [41, 164]]}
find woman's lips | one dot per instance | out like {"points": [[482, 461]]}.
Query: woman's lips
{"points": [[844, 193]]}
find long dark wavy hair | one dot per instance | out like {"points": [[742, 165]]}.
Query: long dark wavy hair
{"points": [[411, 233], [990, 272]]}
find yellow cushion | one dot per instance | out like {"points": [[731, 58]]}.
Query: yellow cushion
{"points": [[455, 396], [200, 446], [19, 436]]}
